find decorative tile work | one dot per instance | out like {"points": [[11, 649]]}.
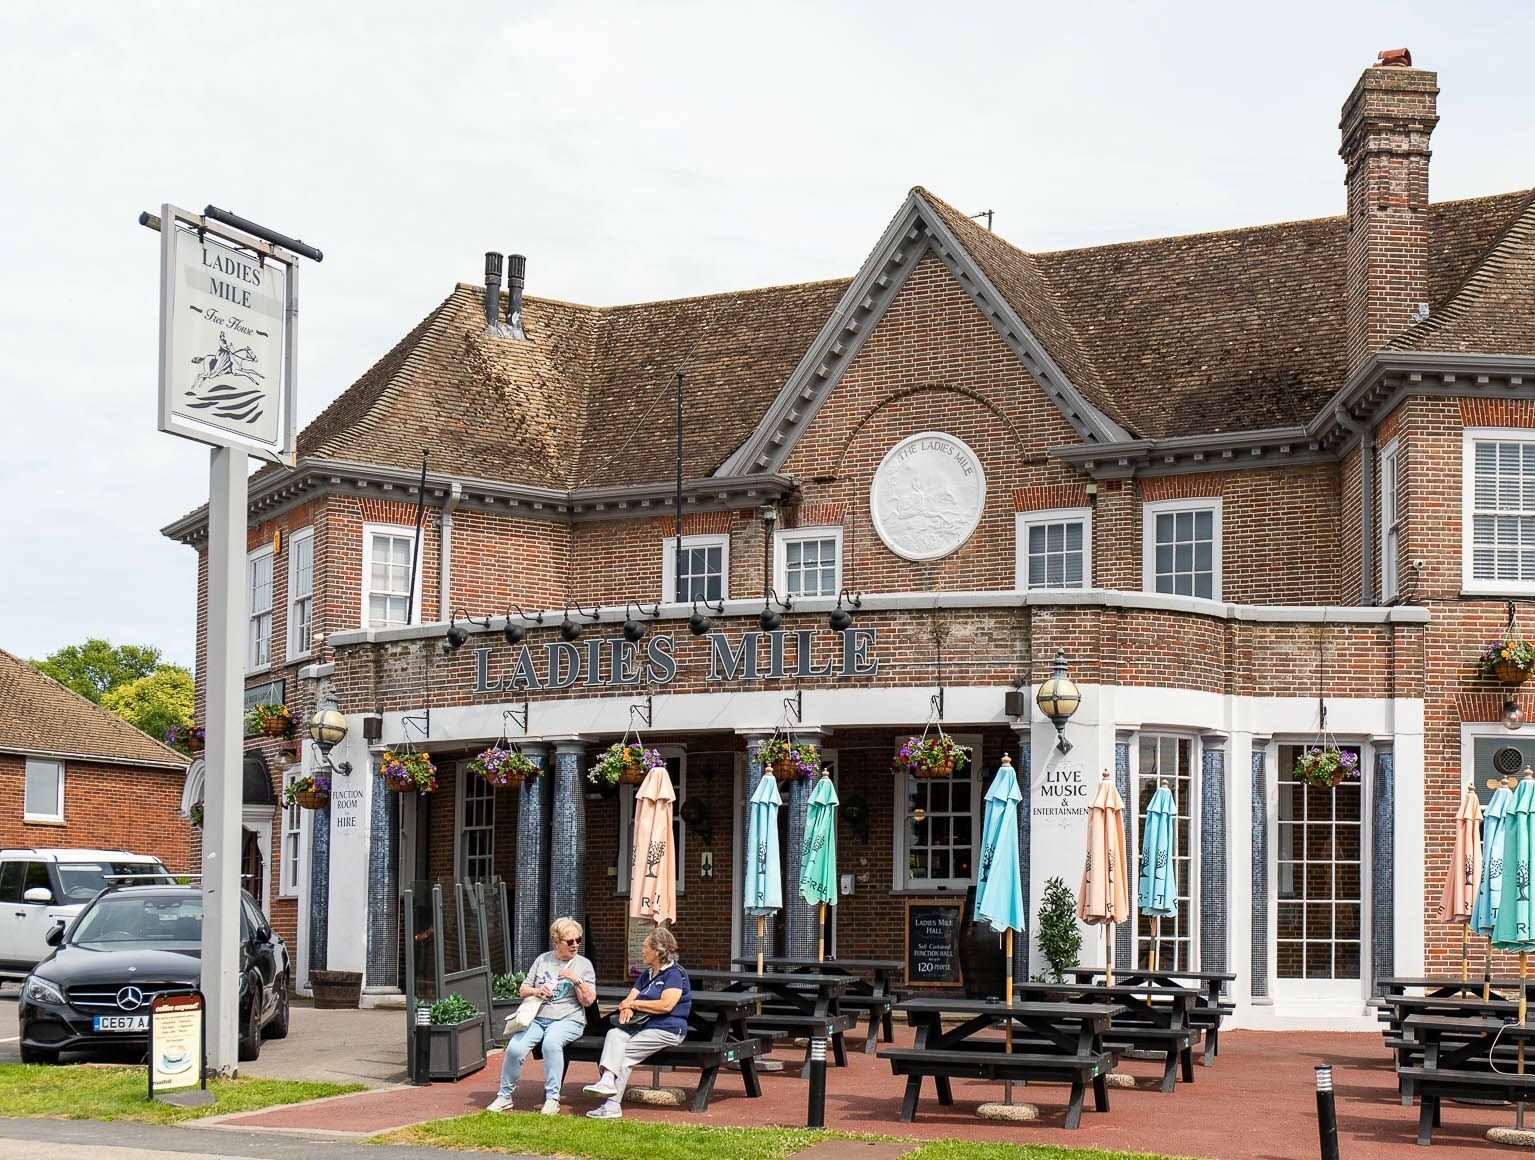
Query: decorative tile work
{"points": [[1382, 867], [1124, 940], [530, 886], [1212, 860], [319, 887], [567, 836], [1260, 871], [801, 919], [383, 958]]}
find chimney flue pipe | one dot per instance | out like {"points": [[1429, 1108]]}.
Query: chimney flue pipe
{"points": [[516, 277], [492, 289]]}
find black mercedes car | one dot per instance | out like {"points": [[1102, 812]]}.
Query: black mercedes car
{"points": [[130, 945]]}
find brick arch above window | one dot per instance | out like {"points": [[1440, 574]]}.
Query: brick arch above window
{"points": [[1205, 485], [883, 405]]}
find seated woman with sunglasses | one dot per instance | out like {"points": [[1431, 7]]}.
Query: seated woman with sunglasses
{"points": [[653, 1015], [567, 983]]}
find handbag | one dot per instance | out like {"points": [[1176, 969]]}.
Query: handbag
{"points": [[522, 1018], [637, 1022]]}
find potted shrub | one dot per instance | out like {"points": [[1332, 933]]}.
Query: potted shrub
{"points": [[505, 998], [188, 739], [195, 814], [503, 765], [272, 720], [623, 764], [1060, 938], [308, 793], [1510, 661], [790, 761], [1326, 766], [456, 1038], [936, 756], [407, 772]]}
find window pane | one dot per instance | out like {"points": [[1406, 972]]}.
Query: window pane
{"points": [[42, 788]]}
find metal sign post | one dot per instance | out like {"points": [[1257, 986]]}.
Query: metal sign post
{"points": [[228, 377]]}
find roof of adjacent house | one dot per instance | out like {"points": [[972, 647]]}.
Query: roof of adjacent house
{"points": [[39, 715], [1237, 330]]}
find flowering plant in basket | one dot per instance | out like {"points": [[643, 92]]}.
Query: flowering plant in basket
{"points": [[311, 792], [623, 764], [273, 720], [789, 761], [502, 765], [403, 772], [937, 756], [195, 814], [1511, 661], [1327, 765], [186, 738]]}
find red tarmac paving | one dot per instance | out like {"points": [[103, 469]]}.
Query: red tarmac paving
{"points": [[1257, 1103]]}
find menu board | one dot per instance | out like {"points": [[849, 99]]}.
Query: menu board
{"points": [[176, 1046], [932, 942]]}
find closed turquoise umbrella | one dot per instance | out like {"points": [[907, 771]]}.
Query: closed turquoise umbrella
{"points": [[1514, 928], [1489, 888], [999, 893], [1156, 893], [818, 860], [763, 888]]}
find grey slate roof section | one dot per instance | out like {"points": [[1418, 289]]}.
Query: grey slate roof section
{"points": [[1260, 876], [1212, 860], [1382, 961]]}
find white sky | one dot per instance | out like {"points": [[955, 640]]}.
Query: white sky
{"points": [[633, 151]]}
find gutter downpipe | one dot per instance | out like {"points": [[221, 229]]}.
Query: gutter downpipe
{"points": [[450, 504], [1366, 435]]}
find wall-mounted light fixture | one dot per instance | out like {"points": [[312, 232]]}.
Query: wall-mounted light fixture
{"points": [[841, 619], [328, 729], [515, 631], [1058, 699]]}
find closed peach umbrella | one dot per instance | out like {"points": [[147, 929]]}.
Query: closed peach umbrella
{"points": [[1105, 895], [652, 872], [1465, 870]]}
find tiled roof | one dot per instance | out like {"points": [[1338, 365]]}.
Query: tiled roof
{"points": [[39, 715]]}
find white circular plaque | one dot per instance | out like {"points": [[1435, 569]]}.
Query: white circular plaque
{"points": [[927, 496]]}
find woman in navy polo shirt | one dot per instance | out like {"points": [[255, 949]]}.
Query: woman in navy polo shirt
{"points": [[661, 998]]}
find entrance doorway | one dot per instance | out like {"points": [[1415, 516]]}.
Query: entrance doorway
{"points": [[252, 865], [1319, 884]]}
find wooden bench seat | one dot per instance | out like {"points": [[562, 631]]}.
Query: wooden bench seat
{"points": [[942, 1066], [1435, 1084], [1176, 1047], [707, 1057]]}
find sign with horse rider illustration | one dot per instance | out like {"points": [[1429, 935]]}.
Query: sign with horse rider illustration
{"points": [[224, 369]]}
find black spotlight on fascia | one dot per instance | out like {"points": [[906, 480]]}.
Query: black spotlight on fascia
{"points": [[569, 629], [769, 618], [634, 628], [516, 631], [841, 619], [457, 633], [700, 623]]}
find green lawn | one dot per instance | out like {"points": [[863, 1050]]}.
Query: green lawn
{"points": [[640, 1140], [79, 1092]]}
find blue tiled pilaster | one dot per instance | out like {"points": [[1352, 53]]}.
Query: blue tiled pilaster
{"points": [[319, 887], [1382, 867], [802, 921], [530, 884], [567, 834], [383, 959], [1260, 874], [1212, 858], [1124, 933]]}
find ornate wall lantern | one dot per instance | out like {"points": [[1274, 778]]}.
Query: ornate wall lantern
{"points": [[1058, 698]]}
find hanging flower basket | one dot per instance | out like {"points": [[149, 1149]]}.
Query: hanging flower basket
{"points": [[195, 814], [938, 755], [187, 739], [308, 793], [407, 772], [1326, 766], [1510, 661], [623, 764], [503, 765], [271, 720], [790, 761]]}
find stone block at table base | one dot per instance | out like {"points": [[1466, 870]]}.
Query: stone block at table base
{"points": [[1007, 1112], [656, 1097], [1525, 1137], [1118, 1079]]}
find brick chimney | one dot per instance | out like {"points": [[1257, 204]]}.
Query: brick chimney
{"points": [[1386, 124]]}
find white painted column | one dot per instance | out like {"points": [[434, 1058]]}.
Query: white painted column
{"points": [[351, 803]]}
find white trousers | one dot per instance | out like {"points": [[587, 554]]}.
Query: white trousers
{"points": [[621, 1051]]}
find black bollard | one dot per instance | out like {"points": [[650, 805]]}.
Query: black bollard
{"points": [[1326, 1112], [815, 1112], [421, 1048]]}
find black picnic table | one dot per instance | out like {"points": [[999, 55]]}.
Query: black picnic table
{"points": [[1396, 1009], [1052, 1042], [1466, 1058], [805, 1004], [1209, 1011], [717, 1035], [1439, 987], [1161, 1021], [877, 995]]}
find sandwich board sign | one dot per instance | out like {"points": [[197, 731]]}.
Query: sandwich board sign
{"points": [[227, 305], [178, 1048]]}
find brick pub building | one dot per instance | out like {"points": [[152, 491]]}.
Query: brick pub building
{"points": [[1260, 486]]}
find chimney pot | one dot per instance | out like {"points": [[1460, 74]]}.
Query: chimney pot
{"points": [[1394, 58], [516, 278], [492, 289]]}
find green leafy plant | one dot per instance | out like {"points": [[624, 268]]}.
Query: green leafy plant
{"points": [[790, 760], [508, 986], [1327, 765], [616, 759], [403, 772], [195, 814], [1512, 655], [503, 765], [1060, 940], [276, 720], [453, 1009], [939, 755]]}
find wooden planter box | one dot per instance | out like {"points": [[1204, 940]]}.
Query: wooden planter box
{"points": [[336, 990], [455, 1050]]}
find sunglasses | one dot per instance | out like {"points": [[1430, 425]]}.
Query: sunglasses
{"points": [[571, 942]]}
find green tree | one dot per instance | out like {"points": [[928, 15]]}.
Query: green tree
{"points": [[96, 667], [154, 703], [1060, 941]]}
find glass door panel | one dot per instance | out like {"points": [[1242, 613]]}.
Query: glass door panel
{"points": [[1319, 880]]}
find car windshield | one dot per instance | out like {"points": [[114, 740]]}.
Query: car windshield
{"points": [[116, 920], [82, 881]]}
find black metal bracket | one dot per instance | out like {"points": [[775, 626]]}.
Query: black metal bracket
{"points": [[854, 599], [771, 597], [935, 702], [654, 612], [518, 717], [719, 607], [464, 612], [795, 706], [344, 768], [645, 712], [536, 618], [422, 722]]}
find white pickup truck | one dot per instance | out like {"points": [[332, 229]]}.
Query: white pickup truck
{"points": [[39, 889]]}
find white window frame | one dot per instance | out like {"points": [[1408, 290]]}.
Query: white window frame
{"points": [[1149, 513], [368, 532], [29, 809], [669, 564], [900, 883], [626, 795], [1194, 853], [461, 823], [781, 544], [1390, 520], [1023, 521], [290, 855], [1469, 439], [252, 615], [298, 643]]}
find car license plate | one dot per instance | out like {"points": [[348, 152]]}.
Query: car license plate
{"points": [[120, 1022]]}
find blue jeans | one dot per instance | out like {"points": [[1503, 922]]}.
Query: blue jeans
{"points": [[554, 1034]]}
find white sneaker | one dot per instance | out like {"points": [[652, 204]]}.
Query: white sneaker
{"points": [[550, 1108], [604, 1112], [500, 1104], [599, 1088]]}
